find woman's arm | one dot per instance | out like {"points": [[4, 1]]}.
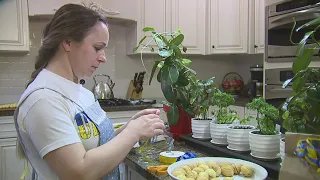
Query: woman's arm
{"points": [[73, 162], [139, 114]]}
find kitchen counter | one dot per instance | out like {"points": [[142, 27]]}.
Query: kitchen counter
{"points": [[9, 112], [138, 162]]}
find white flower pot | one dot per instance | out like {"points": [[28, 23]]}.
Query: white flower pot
{"points": [[200, 128], [219, 133], [264, 146], [238, 139], [282, 148]]}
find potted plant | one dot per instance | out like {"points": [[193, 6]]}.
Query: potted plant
{"points": [[264, 142], [238, 135], [173, 75], [300, 112], [223, 117], [201, 98]]}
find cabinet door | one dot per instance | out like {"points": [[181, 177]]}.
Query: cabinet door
{"points": [[229, 26], [11, 167], [14, 26], [133, 175], [190, 16], [49, 7], [259, 27], [153, 13]]}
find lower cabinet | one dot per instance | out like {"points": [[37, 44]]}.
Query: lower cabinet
{"points": [[11, 167], [133, 175]]}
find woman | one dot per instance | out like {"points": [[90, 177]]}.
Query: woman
{"points": [[62, 130]]}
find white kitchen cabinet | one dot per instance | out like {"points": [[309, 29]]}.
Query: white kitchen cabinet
{"points": [[14, 28], [229, 26], [256, 26], [190, 16], [153, 13], [11, 167], [122, 9]]}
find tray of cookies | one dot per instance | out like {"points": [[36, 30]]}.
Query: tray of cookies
{"points": [[216, 168]]}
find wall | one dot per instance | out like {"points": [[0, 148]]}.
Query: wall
{"points": [[15, 70]]}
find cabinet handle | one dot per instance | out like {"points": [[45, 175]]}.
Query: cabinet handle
{"points": [[255, 46], [212, 46]]}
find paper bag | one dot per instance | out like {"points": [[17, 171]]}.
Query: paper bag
{"points": [[294, 167]]}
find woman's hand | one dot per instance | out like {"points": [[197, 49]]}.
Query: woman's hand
{"points": [[146, 126]]}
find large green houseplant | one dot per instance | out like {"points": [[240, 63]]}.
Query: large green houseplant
{"points": [[264, 142], [301, 111], [173, 69]]}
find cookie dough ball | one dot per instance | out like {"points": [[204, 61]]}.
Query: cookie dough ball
{"points": [[190, 179], [211, 173], [204, 174], [203, 166], [247, 171], [224, 164], [236, 168], [217, 169], [227, 171], [176, 173], [198, 170], [181, 177], [211, 164]]}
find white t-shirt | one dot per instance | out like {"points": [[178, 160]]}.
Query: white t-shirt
{"points": [[47, 119]]}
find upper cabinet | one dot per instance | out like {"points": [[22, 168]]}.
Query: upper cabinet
{"points": [[122, 9], [229, 26], [256, 26], [153, 13], [14, 26], [190, 16]]}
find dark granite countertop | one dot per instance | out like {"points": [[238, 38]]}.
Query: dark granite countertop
{"points": [[139, 160], [9, 112]]}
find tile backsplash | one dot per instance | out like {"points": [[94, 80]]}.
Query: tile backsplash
{"points": [[15, 69]]}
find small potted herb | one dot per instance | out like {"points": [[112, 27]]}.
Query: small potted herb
{"points": [[223, 118], [201, 98], [238, 135], [264, 142]]}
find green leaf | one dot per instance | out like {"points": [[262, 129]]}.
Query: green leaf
{"points": [[142, 39], [170, 74], [182, 80], [155, 65], [159, 75], [184, 49], [151, 49], [135, 49], [168, 92], [298, 84], [173, 115], [313, 98], [177, 40], [165, 53], [159, 42], [303, 61], [161, 64], [186, 62], [303, 42], [163, 39], [146, 29], [177, 51], [310, 23]]}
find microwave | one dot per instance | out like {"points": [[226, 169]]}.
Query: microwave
{"points": [[279, 22]]}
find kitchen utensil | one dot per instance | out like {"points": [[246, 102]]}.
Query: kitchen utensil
{"points": [[103, 89], [259, 171], [170, 157], [158, 170]]}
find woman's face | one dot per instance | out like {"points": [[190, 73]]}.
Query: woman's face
{"points": [[85, 57]]}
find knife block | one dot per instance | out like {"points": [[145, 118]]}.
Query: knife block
{"points": [[131, 93]]}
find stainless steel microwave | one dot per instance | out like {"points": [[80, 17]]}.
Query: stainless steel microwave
{"points": [[279, 23]]}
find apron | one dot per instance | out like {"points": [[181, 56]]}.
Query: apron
{"points": [[94, 113]]}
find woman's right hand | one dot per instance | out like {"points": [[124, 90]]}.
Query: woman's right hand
{"points": [[146, 126]]}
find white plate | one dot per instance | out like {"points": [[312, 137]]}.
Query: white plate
{"points": [[266, 158], [259, 174]]}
